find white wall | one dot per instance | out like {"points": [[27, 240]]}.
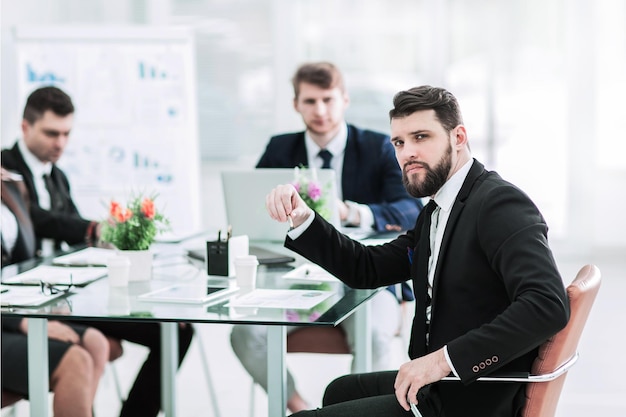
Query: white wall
{"points": [[541, 83]]}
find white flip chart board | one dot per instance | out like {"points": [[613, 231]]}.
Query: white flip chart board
{"points": [[135, 125]]}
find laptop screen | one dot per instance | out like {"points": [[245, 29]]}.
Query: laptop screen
{"points": [[244, 197]]}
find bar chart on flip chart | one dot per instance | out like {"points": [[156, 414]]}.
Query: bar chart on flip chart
{"points": [[135, 124]]}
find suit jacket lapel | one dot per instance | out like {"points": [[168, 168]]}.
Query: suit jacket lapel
{"points": [[299, 155], [349, 172], [475, 172], [27, 175]]}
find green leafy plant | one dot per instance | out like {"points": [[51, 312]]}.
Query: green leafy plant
{"points": [[314, 195], [135, 226]]}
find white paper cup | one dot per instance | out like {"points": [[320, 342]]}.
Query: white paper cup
{"points": [[118, 269], [245, 271], [118, 302]]}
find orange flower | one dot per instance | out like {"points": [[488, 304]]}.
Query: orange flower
{"points": [[114, 209], [126, 214], [134, 225], [147, 208], [119, 213]]}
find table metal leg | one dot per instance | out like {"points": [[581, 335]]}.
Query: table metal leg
{"points": [[38, 380], [169, 365], [276, 370], [363, 339]]}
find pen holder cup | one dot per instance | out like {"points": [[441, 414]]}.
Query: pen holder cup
{"points": [[221, 255]]}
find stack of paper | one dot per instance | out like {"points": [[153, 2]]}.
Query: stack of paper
{"points": [[57, 275], [295, 299], [21, 296], [85, 257], [310, 272]]}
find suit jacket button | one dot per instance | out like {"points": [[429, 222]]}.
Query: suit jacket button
{"points": [[482, 365], [475, 368], [494, 359], [487, 361]]}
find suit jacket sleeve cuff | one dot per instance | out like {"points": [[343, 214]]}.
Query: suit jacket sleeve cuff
{"points": [[297, 231]]}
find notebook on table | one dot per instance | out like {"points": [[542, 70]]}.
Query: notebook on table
{"points": [[244, 197], [191, 294]]}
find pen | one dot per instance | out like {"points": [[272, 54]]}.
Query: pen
{"points": [[290, 220], [229, 233], [415, 411], [219, 235]]}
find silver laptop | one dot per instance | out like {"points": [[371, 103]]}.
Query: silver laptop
{"points": [[244, 196]]}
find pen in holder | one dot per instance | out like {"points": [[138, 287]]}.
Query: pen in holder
{"points": [[221, 254]]}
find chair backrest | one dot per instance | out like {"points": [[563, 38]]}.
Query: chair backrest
{"points": [[317, 340], [542, 397], [9, 398]]}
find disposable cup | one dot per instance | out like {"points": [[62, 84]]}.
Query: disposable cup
{"points": [[118, 269], [245, 271]]}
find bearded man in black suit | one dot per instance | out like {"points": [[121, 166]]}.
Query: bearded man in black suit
{"points": [[487, 287]]}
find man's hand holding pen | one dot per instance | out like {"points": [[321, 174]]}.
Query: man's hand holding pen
{"points": [[418, 372], [284, 204]]}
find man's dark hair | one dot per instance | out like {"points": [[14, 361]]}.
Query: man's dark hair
{"points": [[426, 97], [321, 74], [47, 98]]}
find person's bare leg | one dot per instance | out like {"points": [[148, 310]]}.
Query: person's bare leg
{"points": [[71, 383], [296, 403], [115, 348], [98, 347]]}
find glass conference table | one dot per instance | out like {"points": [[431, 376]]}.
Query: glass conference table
{"points": [[99, 301]]}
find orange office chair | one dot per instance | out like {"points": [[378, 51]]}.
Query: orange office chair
{"points": [[318, 340], [542, 398], [558, 354], [312, 340]]}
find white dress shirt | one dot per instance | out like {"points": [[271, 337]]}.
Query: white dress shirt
{"points": [[445, 199], [39, 169]]}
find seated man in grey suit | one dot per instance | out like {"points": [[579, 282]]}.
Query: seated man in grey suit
{"points": [[372, 198]]}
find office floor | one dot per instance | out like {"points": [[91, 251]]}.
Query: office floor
{"points": [[595, 386]]}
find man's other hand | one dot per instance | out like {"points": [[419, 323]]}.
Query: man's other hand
{"points": [[415, 374]]}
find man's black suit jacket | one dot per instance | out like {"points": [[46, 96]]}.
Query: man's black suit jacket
{"points": [[370, 173], [65, 226], [497, 293]]}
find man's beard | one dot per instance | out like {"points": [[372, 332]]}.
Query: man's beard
{"points": [[434, 179]]}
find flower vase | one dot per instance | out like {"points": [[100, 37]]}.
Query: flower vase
{"points": [[140, 264]]}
